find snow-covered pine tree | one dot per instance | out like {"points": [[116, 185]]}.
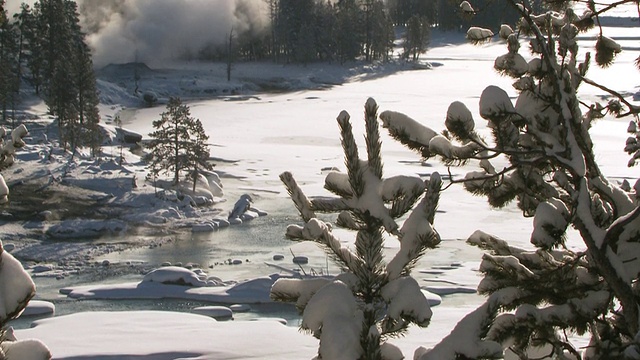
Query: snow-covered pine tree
{"points": [[355, 313], [537, 298], [178, 143]]}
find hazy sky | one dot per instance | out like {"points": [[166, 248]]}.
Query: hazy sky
{"points": [[161, 29]]}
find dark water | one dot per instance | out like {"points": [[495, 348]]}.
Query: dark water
{"points": [[254, 243]]}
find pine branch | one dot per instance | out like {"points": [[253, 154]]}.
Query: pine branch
{"points": [[374, 144], [338, 183], [346, 220], [621, 288], [369, 246], [403, 201], [473, 328], [352, 161], [402, 136], [432, 196], [328, 205], [297, 195], [633, 110]]}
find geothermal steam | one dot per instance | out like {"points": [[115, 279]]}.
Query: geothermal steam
{"points": [[154, 31]]}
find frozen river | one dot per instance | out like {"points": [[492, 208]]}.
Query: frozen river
{"points": [[257, 138]]}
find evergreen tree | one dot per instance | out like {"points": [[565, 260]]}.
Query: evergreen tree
{"points": [[274, 19], [25, 24], [325, 31], [355, 313], [349, 30], [64, 67], [292, 16], [9, 82], [58, 42], [33, 33], [87, 100], [416, 38], [538, 298], [178, 143], [382, 33]]}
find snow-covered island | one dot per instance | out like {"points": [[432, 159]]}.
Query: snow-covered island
{"points": [[99, 259]]}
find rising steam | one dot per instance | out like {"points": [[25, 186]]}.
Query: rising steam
{"points": [[153, 31]]}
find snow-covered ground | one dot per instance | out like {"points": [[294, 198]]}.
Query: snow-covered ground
{"points": [[255, 137]]}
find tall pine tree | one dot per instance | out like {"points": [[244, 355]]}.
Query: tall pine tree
{"points": [[9, 81], [63, 65]]}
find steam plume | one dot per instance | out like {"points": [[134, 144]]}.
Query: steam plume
{"points": [[153, 31]]}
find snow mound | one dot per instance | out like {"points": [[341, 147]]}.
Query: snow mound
{"points": [[216, 312], [86, 228], [38, 308], [174, 275]]}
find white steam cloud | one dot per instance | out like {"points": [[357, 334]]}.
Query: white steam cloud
{"points": [[153, 31]]}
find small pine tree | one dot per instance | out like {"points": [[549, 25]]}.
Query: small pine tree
{"points": [[178, 143], [355, 313]]}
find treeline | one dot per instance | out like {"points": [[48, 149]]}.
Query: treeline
{"points": [[44, 46], [303, 31]]}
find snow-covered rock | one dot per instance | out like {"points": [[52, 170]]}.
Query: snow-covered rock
{"points": [[86, 228], [174, 275], [216, 312], [38, 308]]}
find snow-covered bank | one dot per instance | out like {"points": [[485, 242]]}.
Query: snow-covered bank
{"points": [[166, 336]]}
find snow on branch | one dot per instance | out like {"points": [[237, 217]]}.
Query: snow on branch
{"points": [[299, 291], [478, 35], [417, 232], [299, 198], [489, 242], [550, 224], [473, 329], [495, 104], [318, 231], [408, 131], [332, 315], [406, 301], [574, 312], [16, 287], [442, 146], [459, 121]]}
